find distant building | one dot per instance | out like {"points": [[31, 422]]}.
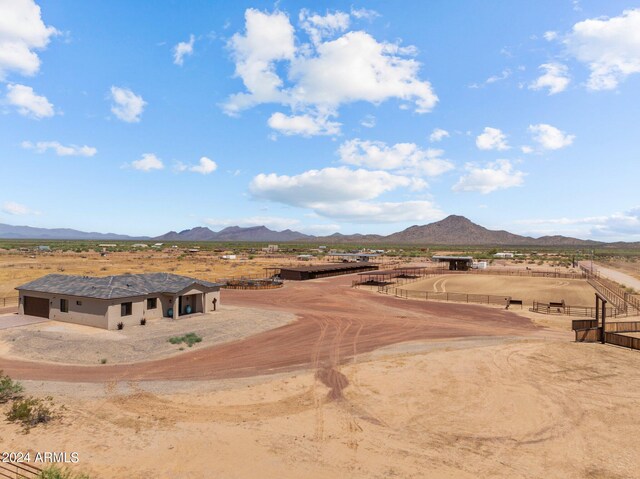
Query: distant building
{"points": [[139, 245], [228, 256], [456, 263], [44, 248], [272, 248], [504, 254]]}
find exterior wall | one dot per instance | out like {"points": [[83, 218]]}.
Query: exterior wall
{"points": [[91, 312], [208, 300], [138, 306]]}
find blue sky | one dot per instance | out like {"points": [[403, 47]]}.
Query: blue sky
{"points": [[144, 117]]}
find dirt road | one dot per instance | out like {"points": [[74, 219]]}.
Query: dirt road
{"points": [[335, 324]]}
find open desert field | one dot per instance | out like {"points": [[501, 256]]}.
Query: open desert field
{"points": [[574, 292], [360, 386]]}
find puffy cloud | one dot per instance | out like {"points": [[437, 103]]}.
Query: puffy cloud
{"points": [[323, 26], [549, 137], [305, 125], [492, 139], [16, 209], [21, 32], [526, 149], [496, 175], [28, 103], [59, 149], [205, 166], [438, 134], [148, 162], [550, 35], [127, 105], [355, 67], [555, 78], [321, 76], [182, 50], [610, 47], [268, 38], [328, 185], [406, 158], [380, 212]]}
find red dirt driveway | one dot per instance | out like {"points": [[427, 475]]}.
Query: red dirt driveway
{"points": [[335, 324]]}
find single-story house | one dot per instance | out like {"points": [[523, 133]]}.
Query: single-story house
{"points": [[128, 298]]}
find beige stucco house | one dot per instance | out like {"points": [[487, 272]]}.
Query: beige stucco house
{"points": [[128, 298]]}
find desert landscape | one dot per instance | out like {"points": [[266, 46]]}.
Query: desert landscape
{"points": [[319, 379]]}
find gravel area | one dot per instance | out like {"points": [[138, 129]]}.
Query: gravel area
{"points": [[60, 342]]}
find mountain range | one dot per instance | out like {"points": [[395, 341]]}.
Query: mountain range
{"points": [[453, 230]]}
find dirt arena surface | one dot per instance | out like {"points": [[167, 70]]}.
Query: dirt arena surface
{"points": [[360, 386], [574, 292]]}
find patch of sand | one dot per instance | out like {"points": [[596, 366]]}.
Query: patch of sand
{"points": [[499, 408]]}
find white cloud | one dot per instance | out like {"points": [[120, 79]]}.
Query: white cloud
{"points": [[17, 209], [549, 137], [318, 78], [406, 158], [438, 134], [610, 47], [21, 32], [496, 175], [148, 162], [205, 166], [328, 185], [555, 78], [127, 105], [368, 121], [367, 14], [59, 149], [619, 226], [182, 50], [526, 149], [305, 125], [272, 222], [504, 74], [380, 212], [550, 35], [319, 27], [28, 103], [492, 139], [268, 38]]}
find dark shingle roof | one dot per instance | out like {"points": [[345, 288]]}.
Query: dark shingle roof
{"points": [[112, 287]]}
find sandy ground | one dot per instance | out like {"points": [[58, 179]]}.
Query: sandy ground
{"points": [[509, 408], [575, 292], [74, 344], [621, 277], [360, 386]]}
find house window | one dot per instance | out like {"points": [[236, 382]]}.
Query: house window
{"points": [[152, 303], [79, 303], [126, 309], [64, 306]]}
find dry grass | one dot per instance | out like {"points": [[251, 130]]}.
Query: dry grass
{"points": [[19, 268]]}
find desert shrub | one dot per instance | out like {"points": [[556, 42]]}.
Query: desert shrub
{"points": [[120, 325], [103, 361], [9, 389], [189, 339], [55, 472], [30, 412]]}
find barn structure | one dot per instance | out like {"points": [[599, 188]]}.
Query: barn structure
{"points": [[299, 273], [128, 298], [456, 263]]}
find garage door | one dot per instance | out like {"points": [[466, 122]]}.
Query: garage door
{"points": [[36, 306]]}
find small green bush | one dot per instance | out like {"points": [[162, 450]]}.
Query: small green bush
{"points": [[32, 411], [103, 361], [9, 389], [54, 472], [189, 339]]}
